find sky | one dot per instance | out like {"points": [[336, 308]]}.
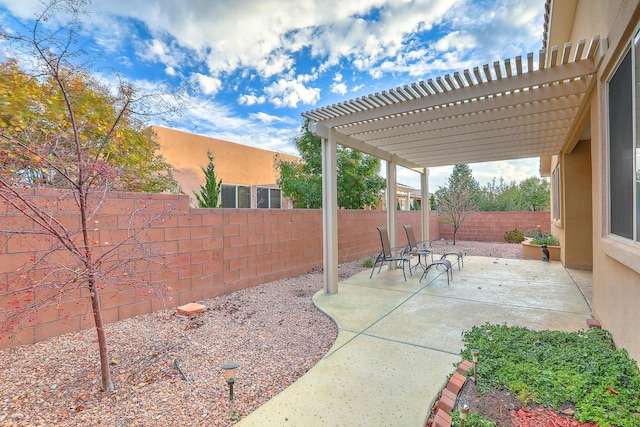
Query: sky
{"points": [[253, 66]]}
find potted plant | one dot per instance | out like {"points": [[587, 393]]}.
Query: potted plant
{"points": [[532, 244]]}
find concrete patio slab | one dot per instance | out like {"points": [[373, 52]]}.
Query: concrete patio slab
{"points": [[437, 322], [368, 379], [374, 303], [398, 342]]}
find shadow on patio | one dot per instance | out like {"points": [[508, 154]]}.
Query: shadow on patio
{"points": [[399, 341]]}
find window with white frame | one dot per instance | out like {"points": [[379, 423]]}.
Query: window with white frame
{"points": [[236, 196], [556, 201], [624, 146], [268, 198]]}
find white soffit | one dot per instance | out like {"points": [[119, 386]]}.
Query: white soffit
{"points": [[502, 111]]}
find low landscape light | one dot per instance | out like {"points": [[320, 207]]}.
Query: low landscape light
{"points": [[475, 354], [230, 376], [463, 409]]}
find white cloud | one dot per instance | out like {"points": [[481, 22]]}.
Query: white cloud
{"points": [[270, 119], [339, 88], [375, 73], [209, 85], [275, 64], [455, 41], [251, 99], [124, 60], [157, 51], [289, 92]]}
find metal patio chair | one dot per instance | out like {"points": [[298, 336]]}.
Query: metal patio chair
{"points": [[387, 254], [417, 248]]}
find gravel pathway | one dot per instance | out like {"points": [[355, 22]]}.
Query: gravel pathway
{"points": [[273, 330]]}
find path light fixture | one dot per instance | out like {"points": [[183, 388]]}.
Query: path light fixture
{"points": [[489, 333], [475, 353], [230, 375], [463, 409]]}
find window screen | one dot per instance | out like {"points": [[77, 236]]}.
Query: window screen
{"points": [[228, 196], [621, 150], [262, 198], [274, 198], [244, 197]]}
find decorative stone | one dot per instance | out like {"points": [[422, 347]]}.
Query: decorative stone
{"points": [[191, 309]]}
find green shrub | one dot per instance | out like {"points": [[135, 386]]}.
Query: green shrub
{"points": [[549, 240], [536, 233], [368, 262], [514, 236]]}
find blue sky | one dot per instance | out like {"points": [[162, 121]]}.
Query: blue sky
{"points": [[255, 65]]}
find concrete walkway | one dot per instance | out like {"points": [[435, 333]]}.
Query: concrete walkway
{"points": [[399, 341]]}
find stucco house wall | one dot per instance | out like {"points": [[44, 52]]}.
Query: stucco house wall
{"points": [[585, 172]]}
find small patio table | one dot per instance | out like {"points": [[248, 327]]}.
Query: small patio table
{"points": [[420, 252]]}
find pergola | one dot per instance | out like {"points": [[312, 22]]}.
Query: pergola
{"points": [[506, 111]]}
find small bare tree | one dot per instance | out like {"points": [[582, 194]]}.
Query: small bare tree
{"points": [[457, 199], [67, 136]]}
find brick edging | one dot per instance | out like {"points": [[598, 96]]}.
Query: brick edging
{"points": [[446, 402]]}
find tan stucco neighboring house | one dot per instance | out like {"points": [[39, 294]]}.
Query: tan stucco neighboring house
{"points": [[248, 174], [575, 104], [406, 196]]}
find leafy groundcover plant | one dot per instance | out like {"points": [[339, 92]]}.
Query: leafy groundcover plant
{"points": [[554, 368]]}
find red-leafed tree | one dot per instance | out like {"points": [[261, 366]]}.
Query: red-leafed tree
{"points": [[60, 129]]}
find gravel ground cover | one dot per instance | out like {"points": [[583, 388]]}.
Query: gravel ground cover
{"points": [[273, 330]]}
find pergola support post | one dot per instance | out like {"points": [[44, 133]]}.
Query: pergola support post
{"points": [[392, 203], [330, 213], [426, 203]]}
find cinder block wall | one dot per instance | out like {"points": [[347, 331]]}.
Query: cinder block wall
{"points": [[206, 252], [491, 226]]}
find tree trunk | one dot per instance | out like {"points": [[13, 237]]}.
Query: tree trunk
{"points": [[107, 384]]}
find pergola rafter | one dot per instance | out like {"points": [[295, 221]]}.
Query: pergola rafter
{"points": [[487, 103]]}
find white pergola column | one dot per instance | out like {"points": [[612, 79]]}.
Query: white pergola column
{"points": [[391, 204], [330, 213], [426, 203]]}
